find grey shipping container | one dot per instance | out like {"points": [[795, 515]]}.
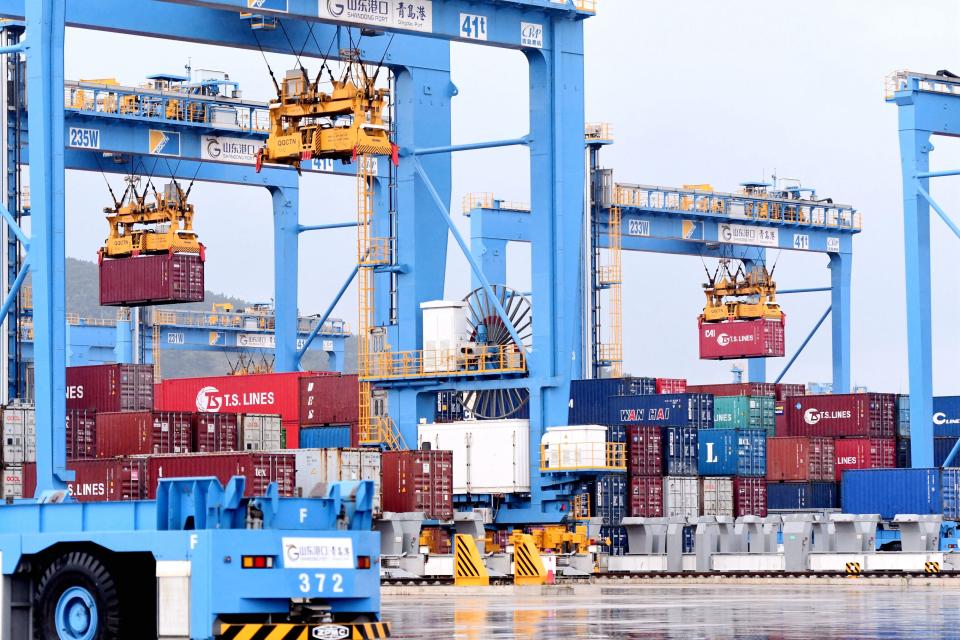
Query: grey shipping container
{"points": [[19, 434], [681, 497], [260, 432], [317, 468], [716, 496]]}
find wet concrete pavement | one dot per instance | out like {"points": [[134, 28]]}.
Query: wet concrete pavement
{"points": [[661, 611]]}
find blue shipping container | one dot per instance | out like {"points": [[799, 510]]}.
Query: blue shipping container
{"points": [[903, 453], [942, 446], [590, 399], [666, 410], [680, 451], [325, 437], [893, 491], [618, 540], [903, 416], [802, 496], [946, 416], [610, 498], [732, 452]]}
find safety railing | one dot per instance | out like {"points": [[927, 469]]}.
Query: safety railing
{"points": [[610, 353], [598, 132], [442, 363], [582, 456], [748, 207], [381, 430], [76, 320], [242, 321], [473, 201], [904, 80], [166, 106], [586, 5]]}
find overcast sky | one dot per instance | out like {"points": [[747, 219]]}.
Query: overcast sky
{"points": [[698, 91]]}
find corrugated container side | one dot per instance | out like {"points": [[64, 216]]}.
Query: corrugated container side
{"points": [[749, 497], [326, 437], [903, 416], [329, 400], [864, 453], [449, 407], [738, 389], [942, 446], [785, 390], [950, 493], [646, 497], [260, 468], [680, 454], [903, 453], [215, 432], [802, 496], [671, 385], [19, 434], [716, 496], [868, 415], [645, 451], [618, 540], [143, 432], [801, 459], [111, 479], [681, 497], [665, 410], [914, 491], [946, 416], [610, 498], [11, 481], [731, 452], [81, 435], [762, 338], [262, 432], [153, 279], [418, 480], [110, 387]]}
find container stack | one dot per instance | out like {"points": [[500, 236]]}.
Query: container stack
{"points": [[19, 446], [418, 480], [946, 427], [733, 467]]}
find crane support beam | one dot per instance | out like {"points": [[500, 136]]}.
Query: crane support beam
{"points": [[803, 345], [474, 146], [336, 299]]}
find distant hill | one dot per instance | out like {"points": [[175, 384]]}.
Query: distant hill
{"points": [[83, 295]]}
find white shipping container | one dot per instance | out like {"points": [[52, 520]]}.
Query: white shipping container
{"points": [[12, 482], [717, 496], [318, 467], [19, 434], [575, 447], [681, 497], [446, 328], [260, 432], [489, 456]]}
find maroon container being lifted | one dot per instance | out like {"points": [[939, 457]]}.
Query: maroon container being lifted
{"points": [[800, 459], [749, 497], [99, 480], [214, 432], [865, 415], [864, 453], [110, 387], [155, 279], [143, 432], [736, 339], [646, 497], [329, 400], [418, 480], [645, 448], [260, 468], [743, 389], [81, 435]]}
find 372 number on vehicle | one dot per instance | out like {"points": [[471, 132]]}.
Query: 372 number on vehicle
{"points": [[318, 583], [473, 27]]}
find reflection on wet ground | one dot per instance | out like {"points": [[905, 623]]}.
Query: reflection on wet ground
{"points": [[752, 611]]}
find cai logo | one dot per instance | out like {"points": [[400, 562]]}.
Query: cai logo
{"points": [[208, 400], [164, 143]]}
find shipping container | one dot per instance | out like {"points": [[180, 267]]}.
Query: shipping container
{"points": [[645, 451], [418, 480], [111, 387], [143, 432], [269, 393], [260, 468], [151, 279], [646, 497], [749, 497], [903, 416], [489, 456], [942, 448], [781, 419], [801, 460], [904, 491], [215, 432], [671, 385], [261, 432], [735, 339], [326, 437], [610, 498], [785, 390], [866, 415], [666, 410], [950, 493], [317, 468], [589, 399], [19, 434], [732, 452], [903, 453], [735, 389], [449, 407], [946, 416], [329, 400], [745, 412], [81, 435], [681, 497], [680, 455], [802, 496], [11, 482], [617, 536], [864, 453], [109, 479], [716, 496]]}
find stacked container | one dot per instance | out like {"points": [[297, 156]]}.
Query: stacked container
{"points": [[801, 474], [317, 468], [745, 412], [418, 480], [671, 385], [261, 432], [143, 433], [733, 466], [19, 446], [260, 468], [645, 470]]}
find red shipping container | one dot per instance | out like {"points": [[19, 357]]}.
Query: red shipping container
{"points": [[213, 432], [111, 479], [110, 387], [867, 415], [155, 279], [143, 432], [864, 453], [742, 389], [418, 480], [749, 497], [671, 385], [645, 448], [271, 393], [81, 435], [801, 459], [742, 339], [784, 391], [329, 400], [260, 468], [646, 497]]}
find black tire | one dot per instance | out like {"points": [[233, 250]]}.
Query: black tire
{"points": [[77, 569]]}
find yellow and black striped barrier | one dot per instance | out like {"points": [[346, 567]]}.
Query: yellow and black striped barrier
{"points": [[528, 568], [468, 567], [362, 631], [854, 569], [931, 568]]}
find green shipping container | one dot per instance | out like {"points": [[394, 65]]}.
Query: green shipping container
{"points": [[745, 412]]}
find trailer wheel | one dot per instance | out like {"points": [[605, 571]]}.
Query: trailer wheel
{"points": [[76, 599]]}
